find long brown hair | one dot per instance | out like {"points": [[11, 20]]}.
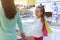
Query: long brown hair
{"points": [[9, 8], [43, 13]]}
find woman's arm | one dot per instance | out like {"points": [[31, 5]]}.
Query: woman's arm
{"points": [[19, 22], [20, 27]]}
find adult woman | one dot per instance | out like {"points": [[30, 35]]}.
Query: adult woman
{"points": [[8, 19]]}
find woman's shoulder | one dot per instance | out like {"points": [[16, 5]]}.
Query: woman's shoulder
{"points": [[1, 10], [17, 14]]}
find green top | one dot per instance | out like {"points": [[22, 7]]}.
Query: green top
{"points": [[8, 27]]}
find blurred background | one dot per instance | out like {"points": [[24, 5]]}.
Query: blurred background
{"points": [[27, 14]]}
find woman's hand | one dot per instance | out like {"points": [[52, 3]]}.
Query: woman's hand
{"points": [[23, 36]]}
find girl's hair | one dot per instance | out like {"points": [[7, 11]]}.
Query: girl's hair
{"points": [[9, 8], [43, 13]]}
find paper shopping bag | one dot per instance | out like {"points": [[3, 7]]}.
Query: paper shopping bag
{"points": [[48, 28], [44, 30]]}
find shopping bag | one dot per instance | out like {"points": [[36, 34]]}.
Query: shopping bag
{"points": [[48, 28], [44, 30]]}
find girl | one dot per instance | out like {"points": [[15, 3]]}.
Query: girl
{"points": [[8, 19], [39, 21]]}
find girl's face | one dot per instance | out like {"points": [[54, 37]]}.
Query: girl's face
{"points": [[38, 12]]}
